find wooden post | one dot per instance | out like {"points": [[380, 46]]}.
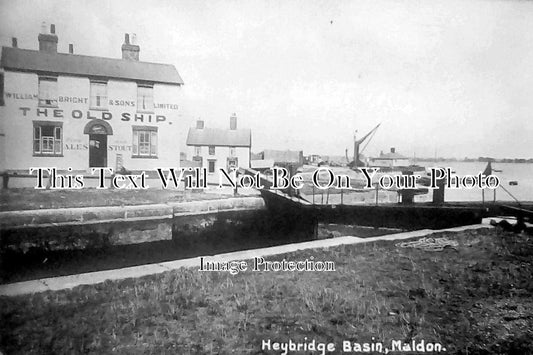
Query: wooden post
{"points": [[341, 196], [313, 193], [377, 193], [5, 180], [235, 190]]}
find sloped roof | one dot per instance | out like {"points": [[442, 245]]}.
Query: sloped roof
{"points": [[219, 137], [95, 67]]}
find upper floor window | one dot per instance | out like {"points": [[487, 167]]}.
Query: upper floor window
{"points": [[197, 151], [144, 142], [47, 91], [98, 95], [145, 98], [47, 138], [232, 151], [212, 150]]}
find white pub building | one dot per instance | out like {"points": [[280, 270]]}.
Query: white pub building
{"points": [[74, 111]]}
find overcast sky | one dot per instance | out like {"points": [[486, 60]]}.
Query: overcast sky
{"points": [[455, 78]]}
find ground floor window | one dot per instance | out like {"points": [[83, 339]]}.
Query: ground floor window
{"points": [[144, 142], [47, 138], [211, 166], [232, 163], [198, 159]]}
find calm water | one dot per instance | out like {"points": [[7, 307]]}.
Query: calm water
{"points": [[521, 173]]}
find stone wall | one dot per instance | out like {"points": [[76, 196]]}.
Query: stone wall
{"points": [[99, 227]]}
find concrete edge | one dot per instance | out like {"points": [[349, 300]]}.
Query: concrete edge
{"points": [[129, 213], [91, 278], [88, 223]]}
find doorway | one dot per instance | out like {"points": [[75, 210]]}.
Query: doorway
{"points": [[98, 130], [97, 150]]}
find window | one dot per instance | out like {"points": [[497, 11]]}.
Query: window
{"points": [[47, 138], [145, 99], [231, 151], [48, 91], [1, 89], [198, 159], [197, 151], [232, 163], [211, 166], [98, 95], [211, 150], [144, 142]]}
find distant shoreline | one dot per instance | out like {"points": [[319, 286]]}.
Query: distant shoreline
{"points": [[479, 160]]}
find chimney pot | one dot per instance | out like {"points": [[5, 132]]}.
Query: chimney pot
{"points": [[71, 48], [14, 43], [200, 124], [48, 41], [393, 150], [130, 51], [233, 122]]}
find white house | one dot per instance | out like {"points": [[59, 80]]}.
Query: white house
{"points": [[76, 112], [215, 148]]}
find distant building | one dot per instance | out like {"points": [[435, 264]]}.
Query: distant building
{"points": [[283, 157], [313, 159], [261, 164], [289, 159], [215, 148], [75, 111], [256, 156], [336, 160], [390, 160]]}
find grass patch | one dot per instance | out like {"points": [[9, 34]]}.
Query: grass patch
{"points": [[474, 300]]}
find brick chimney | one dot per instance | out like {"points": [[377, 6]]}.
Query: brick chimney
{"points": [[200, 124], [14, 42], [393, 150], [233, 122], [130, 50], [48, 40], [71, 48]]}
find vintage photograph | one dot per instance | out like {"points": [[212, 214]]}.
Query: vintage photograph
{"points": [[266, 177]]}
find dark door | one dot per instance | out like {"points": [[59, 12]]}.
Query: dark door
{"points": [[97, 150]]}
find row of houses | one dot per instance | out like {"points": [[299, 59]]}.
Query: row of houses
{"points": [[384, 160], [79, 112], [67, 110]]}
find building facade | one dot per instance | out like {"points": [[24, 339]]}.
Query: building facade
{"points": [[215, 148], [390, 160], [79, 112]]}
